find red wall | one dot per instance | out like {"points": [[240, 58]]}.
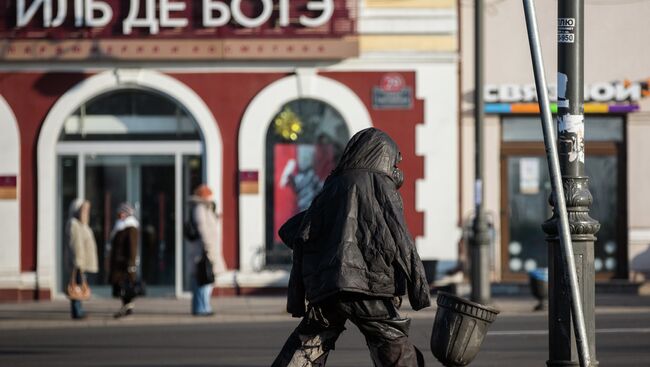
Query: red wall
{"points": [[400, 125], [32, 95]]}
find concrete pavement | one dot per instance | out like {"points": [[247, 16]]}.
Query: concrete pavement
{"points": [[162, 311]]}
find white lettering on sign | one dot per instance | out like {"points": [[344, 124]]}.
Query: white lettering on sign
{"points": [[631, 92], [510, 93], [241, 18], [159, 13], [601, 92], [566, 30], [284, 13], [491, 93], [209, 6], [62, 9], [25, 16], [93, 7], [597, 92], [167, 6], [327, 8], [84, 13], [530, 92], [149, 19], [78, 13]]}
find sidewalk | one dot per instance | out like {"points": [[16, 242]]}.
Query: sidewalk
{"points": [[161, 311]]}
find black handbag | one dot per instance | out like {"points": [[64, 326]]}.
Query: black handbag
{"points": [[190, 231], [204, 272]]}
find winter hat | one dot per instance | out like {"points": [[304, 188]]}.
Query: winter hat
{"points": [[126, 208], [203, 191], [75, 206]]}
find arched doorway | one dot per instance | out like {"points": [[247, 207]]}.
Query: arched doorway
{"points": [[135, 136], [304, 142], [260, 114]]}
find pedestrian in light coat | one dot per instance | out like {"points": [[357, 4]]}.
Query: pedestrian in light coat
{"points": [[83, 249], [205, 220]]}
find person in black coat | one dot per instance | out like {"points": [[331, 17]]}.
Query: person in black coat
{"points": [[124, 258], [353, 259]]}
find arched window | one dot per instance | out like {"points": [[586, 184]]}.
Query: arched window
{"points": [[303, 144], [130, 114]]}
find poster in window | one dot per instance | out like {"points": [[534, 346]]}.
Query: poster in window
{"points": [[299, 173], [529, 176]]}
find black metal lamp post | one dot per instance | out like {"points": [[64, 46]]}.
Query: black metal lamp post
{"points": [[480, 241], [570, 142]]}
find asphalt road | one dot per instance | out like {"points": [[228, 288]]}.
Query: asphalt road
{"points": [[514, 340]]}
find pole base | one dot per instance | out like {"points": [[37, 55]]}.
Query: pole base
{"points": [[562, 363], [569, 363]]}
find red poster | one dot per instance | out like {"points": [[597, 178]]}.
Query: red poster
{"points": [[299, 173], [284, 197]]}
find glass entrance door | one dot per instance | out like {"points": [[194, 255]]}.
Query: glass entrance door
{"points": [[157, 186], [147, 183], [527, 188]]}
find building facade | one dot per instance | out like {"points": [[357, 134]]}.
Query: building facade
{"points": [[141, 101], [617, 123]]}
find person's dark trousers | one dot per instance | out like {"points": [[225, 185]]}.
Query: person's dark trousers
{"points": [[76, 309], [385, 332], [124, 292]]}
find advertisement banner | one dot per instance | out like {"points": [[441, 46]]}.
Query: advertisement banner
{"points": [[299, 173]]}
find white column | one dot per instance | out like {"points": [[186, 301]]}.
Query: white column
{"points": [[9, 207]]}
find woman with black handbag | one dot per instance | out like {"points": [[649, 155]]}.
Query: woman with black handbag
{"points": [[204, 250], [124, 258], [83, 256]]}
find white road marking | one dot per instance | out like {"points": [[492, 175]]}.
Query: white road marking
{"points": [[545, 332]]}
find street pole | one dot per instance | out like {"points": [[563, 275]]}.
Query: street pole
{"points": [[568, 259], [570, 145], [480, 242]]}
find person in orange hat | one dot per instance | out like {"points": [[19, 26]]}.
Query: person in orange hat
{"points": [[205, 250]]}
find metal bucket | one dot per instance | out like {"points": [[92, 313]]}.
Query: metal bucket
{"points": [[459, 329]]}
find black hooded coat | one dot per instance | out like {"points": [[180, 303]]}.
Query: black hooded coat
{"points": [[353, 237]]}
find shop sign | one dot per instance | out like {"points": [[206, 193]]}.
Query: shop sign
{"points": [[597, 92], [248, 182], [8, 187], [115, 17], [81, 29], [392, 93], [600, 97]]}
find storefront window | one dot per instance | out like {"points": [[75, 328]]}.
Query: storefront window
{"points": [[303, 145], [104, 164], [130, 114], [528, 189]]}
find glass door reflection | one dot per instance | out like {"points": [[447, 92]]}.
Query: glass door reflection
{"points": [[147, 183]]}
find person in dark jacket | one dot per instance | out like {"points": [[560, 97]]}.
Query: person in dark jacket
{"points": [[353, 259], [124, 258]]}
